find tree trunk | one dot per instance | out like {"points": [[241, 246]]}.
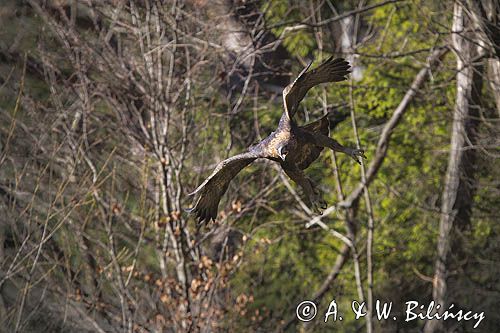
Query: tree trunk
{"points": [[459, 182], [485, 16], [494, 79]]}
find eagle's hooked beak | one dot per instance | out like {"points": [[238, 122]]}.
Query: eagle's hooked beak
{"points": [[282, 153]]}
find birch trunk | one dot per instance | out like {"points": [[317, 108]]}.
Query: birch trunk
{"points": [[459, 182]]}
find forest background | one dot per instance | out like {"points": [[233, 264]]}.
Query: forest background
{"points": [[112, 112]]}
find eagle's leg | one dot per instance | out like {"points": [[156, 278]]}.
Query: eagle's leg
{"points": [[325, 141], [313, 195]]}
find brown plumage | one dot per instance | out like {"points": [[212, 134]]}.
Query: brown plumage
{"points": [[294, 147], [309, 151], [331, 70]]}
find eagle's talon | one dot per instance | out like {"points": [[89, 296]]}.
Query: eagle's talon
{"points": [[318, 205], [355, 153], [317, 210]]}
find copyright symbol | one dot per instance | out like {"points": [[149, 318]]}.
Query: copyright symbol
{"points": [[306, 311]]}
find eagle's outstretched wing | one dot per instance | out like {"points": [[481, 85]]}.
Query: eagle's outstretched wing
{"points": [[331, 70], [211, 190]]}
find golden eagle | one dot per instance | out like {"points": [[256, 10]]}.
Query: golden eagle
{"points": [[294, 147]]}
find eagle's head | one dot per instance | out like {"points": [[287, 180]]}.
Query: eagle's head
{"points": [[283, 151]]}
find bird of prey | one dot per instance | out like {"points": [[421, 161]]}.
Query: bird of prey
{"points": [[293, 147]]}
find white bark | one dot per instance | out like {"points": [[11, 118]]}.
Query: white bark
{"points": [[457, 194], [494, 80]]}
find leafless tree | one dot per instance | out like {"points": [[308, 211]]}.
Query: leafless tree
{"points": [[120, 115]]}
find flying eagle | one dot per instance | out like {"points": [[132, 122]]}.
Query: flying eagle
{"points": [[293, 147]]}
